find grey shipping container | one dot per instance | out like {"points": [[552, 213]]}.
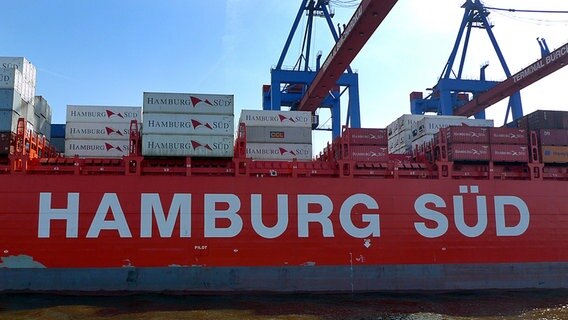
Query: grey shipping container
{"points": [[9, 120]]}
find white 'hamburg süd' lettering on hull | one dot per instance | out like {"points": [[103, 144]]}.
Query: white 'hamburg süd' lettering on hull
{"points": [[223, 215]]}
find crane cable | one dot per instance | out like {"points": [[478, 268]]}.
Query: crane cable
{"points": [[527, 10]]}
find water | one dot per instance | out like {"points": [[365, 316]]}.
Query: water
{"points": [[485, 305]]}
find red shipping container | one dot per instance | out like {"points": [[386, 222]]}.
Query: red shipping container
{"points": [[554, 137], [367, 153], [508, 136], [463, 134], [365, 136], [509, 153], [468, 152]]}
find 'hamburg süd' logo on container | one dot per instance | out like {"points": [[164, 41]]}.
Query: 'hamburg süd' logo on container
{"points": [[195, 145], [284, 151], [109, 147], [114, 114], [196, 124], [111, 132]]}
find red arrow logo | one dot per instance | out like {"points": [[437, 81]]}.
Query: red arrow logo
{"points": [[196, 100], [110, 131], [195, 145], [110, 114]]}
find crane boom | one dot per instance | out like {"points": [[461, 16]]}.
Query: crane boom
{"points": [[529, 75], [365, 21]]}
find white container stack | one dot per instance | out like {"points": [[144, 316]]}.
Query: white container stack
{"points": [[17, 90], [42, 116], [99, 131], [278, 135], [188, 125], [408, 131]]}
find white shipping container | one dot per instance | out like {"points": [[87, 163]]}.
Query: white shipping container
{"points": [[97, 131], [402, 149], [279, 151], [11, 79], [404, 123], [171, 145], [42, 107], [431, 125], [160, 102], [200, 124], [96, 148], [272, 118], [42, 125], [400, 139], [25, 67], [279, 134], [106, 114]]}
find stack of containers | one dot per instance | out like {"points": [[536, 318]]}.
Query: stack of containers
{"points": [[17, 90], [187, 125], [554, 145], [278, 135], [467, 143], [509, 145], [400, 133], [99, 131], [552, 130], [428, 126], [364, 145], [42, 116]]}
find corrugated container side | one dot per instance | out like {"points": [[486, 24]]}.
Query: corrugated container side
{"points": [[279, 134], [468, 152], [96, 148], [554, 137], [544, 119], [97, 131], [554, 154], [280, 151], [42, 125], [463, 134], [12, 100], [5, 142], [9, 120], [402, 149], [187, 146], [160, 102], [369, 153], [114, 114], [272, 118], [366, 136], [508, 136], [509, 153], [200, 124]]}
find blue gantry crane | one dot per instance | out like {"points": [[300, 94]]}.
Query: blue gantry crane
{"points": [[306, 88], [453, 91]]}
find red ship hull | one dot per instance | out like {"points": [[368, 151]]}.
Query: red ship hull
{"points": [[279, 234]]}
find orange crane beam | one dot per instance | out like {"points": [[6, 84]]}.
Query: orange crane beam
{"points": [[369, 15], [529, 75]]}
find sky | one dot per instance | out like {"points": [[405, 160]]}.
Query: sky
{"points": [[108, 52]]}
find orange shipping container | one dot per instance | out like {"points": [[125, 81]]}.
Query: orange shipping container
{"points": [[554, 154]]}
